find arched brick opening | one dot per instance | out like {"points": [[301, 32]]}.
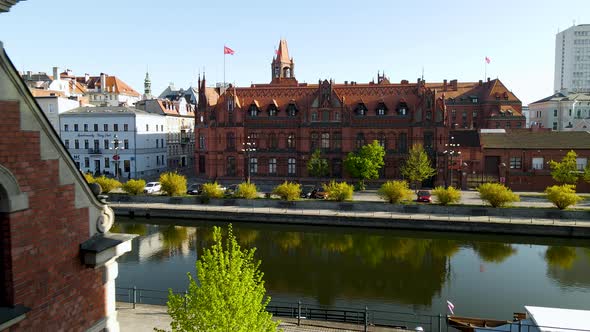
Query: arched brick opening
{"points": [[11, 200]]}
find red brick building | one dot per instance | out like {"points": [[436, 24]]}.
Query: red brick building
{"points": [[59, 264], [285, 121]]}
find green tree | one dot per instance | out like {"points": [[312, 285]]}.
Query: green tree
{"points": [[230, 294], [173, 184], [365, 163], [317, 166], [562, 196], [565, 171], [497, 194], [418, 166], [587, 173]]}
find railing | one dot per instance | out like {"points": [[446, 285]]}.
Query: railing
{"points": [[302, 311]]}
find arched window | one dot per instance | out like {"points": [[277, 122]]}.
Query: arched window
{"points": [[291, 110], [277, 72], [382, 140], [286, 72], [402, 109], [291, 141], [272, 110]]}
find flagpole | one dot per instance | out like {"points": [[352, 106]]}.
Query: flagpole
{"points": [[223, 66]]}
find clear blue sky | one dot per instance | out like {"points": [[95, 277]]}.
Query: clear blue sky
{"points": [[343, 40]]}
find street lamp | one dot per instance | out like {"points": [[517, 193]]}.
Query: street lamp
{"points": [[116, 157], [248, 148], [452, 150]]}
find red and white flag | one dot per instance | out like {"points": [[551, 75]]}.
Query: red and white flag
{"points": [[488, 60], [227, 50], [451, 307]]}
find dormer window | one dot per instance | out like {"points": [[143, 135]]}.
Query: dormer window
{"points": [[291, 110], [253, 110], [361, 109], [381, 109], [402, 109], [314, 116], [272, 110], [474, 100], [230, 105]]}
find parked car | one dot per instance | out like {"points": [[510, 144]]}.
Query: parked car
{"points": [[152, 187], [195, 189], [231, 189], [314, 192], [424, 196], [306, 191]]}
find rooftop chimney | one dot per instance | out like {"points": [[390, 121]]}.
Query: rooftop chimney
{"points": [[56, 73], [86, 77], [480, 82], [444, 85], [103, 82], [488, 79], [453, 84]]}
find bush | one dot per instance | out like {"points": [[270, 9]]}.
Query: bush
{"points": [[447, 196], [562, 196], [496, 194], [338, 191], [246, 190], [107, 184], [134, 187], [173, 184], [395, 191], [289, 191], [89, 178], [211, 190]]}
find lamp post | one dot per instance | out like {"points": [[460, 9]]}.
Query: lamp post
{"points": [[248, 148], [116, 157], [451, 151]]}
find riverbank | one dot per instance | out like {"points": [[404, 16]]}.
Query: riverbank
{"points": [[575, 224]]}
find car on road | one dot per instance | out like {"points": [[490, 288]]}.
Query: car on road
{"points": [[152, 187], [313, 192], [195, 189], [424, 196], [231, 189]]}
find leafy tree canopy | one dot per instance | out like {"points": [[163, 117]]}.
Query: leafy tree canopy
{"points": [[317, 166], [565, 171], [418, 166], [366, 162]]}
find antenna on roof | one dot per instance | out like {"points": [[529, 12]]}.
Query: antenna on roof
{"points": [[423, 73]]}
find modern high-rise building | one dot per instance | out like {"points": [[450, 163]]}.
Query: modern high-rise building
{"points": [[572, 59]]}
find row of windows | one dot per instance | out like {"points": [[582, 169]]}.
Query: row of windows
{"points": [[253, 165], [106, 144], [105, 127], [539, 163], [160, 161], [508, 124], [254, 111]]}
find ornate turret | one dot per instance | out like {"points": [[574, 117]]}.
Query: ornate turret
{"points": [[283, 67], [147, 85]]}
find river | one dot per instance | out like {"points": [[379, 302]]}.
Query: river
{"points": [[391, 270]]}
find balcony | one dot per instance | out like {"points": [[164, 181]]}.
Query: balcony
{"points": [[94, 151]]}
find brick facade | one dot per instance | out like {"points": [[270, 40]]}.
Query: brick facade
{"points": [[43, 270]]}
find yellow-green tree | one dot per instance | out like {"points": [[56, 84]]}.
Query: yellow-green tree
{"points": [[566, 170], [418, 166]]}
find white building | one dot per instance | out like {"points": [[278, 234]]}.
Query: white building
{"points": [[91, 134], [562, 112], [572, 59], [53, 104]]}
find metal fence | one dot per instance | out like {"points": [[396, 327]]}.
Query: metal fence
{"points": [[299, 311]]}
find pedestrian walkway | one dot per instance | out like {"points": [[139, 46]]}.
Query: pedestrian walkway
{"points": [[146, 317]]}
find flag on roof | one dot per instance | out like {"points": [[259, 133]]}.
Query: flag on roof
{"points": [[488, 60], [227, 50]]}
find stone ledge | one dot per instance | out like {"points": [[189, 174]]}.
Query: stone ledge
{"points": [[10, 316], [101, 248]]}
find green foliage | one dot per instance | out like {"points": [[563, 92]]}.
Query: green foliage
{"points": [[211, 190], [317, 166], [89, 178], [366, 162], [246, 190], [229, 294], [562, 257], [289, 191], [496, 194], [562, 196], [134, 187], [107, 184], [447, 196], [338, 191], [587, 173], [173, 184], [418, 166], [493, 252], [565, 171], [395, 191]]}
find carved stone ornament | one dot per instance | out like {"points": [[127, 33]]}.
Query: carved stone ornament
{"points": [[104, 222]]}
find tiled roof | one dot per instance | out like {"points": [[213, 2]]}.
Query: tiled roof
{"points": [[47, 93], [491, 90], [524, 139], [105, 110], [465, 138], [283, 52], [120, 87], [558, 96]]}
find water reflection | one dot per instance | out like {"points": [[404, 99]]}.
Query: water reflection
{"points": [[327, 265]]}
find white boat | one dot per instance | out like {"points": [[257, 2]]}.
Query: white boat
{"points": [[537, 319]]}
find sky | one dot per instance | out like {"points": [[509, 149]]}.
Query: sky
{"points": [[340, 40]]}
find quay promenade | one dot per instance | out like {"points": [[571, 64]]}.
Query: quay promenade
{"points": [[437, 219]]}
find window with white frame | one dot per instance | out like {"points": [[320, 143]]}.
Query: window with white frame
{"points": [[515, 162], [292, 166], [253, 166], [581, 163], [538, 163], [272, 166], [325, 142]]}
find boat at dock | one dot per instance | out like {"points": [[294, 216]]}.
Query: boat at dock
{"points": [[535, 319]]}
